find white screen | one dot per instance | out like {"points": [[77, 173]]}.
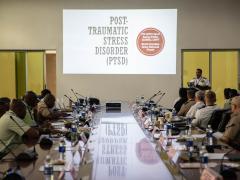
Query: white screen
{"points": [[119, 41]]}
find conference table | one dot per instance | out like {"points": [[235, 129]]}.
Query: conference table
{"points": [[122, 150], [118, 148]]}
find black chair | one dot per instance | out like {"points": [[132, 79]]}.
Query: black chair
{"points": [[226, 116], [93, 100], [216, 118]]}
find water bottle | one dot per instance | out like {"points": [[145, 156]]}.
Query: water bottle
{"points": [[48, 168], [142, 101], [73, 133], [174, 112], [74, 113], [189, 130], [169, 133], [169, 130], [137, 100], [203, 155], [189, 145], [209, 135], [62, 149]]}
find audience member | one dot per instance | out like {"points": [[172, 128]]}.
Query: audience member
{"points": [[227, 99], [181, 100], [45, 109], [4, 105], [203, 115], [199, 99], [187, 105], [13, 129], [30, 100], [232, 130], [233, 93], [44, 92]]}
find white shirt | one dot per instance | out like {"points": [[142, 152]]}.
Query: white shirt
{"points": [[203, 116], [192, 111], [202, 81]]}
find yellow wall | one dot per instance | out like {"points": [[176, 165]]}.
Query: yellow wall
{"points": [[39, 26], [35, 71], [224, 73], [7, 75], [224, 69], [192, 61]]}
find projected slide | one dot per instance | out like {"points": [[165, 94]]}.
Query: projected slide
{"points": [[119, 41]]}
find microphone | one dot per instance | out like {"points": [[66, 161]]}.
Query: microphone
{"points": [[69, 98], [74, 94], [154, 95], [163, 94], [81, 95]]}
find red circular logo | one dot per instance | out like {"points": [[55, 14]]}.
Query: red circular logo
{"points": [[150, 41], [145, 152]]}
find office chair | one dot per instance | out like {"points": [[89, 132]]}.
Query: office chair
{"points": [[216, 118], [226, 116]]}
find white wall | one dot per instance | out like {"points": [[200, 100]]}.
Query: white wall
{"points": [[202, 24]]}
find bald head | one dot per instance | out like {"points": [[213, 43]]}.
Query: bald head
{"points": [[31, 98], [4, 105], [49, 99], [199, 95], [235, 104], [18, 107], [210, 98]]}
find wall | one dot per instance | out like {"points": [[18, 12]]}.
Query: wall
{"points": [[38, 25]]}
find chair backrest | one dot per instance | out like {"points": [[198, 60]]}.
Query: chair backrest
{"points": [[226, 116], [216, 118], [94, 101]]}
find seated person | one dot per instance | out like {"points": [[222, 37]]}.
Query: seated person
{"points": [[4, 105], [203, 115], [227, 99], [14, 130], [187, 105], [231, 94], [30, 100], [44, 92], [45, 109], [232, 130], [199, 99], [199, 82], [181, 100]]}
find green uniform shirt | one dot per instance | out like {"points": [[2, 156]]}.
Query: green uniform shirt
{"points": [[29, 118], [10, 130], [232, 131]]}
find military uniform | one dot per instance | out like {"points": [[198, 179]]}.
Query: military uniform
{"points": [[185, 107], [43, 112], [29, 118], [203, 116], [192, 111], [11, 129], [232, 130], [201, 83]]}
